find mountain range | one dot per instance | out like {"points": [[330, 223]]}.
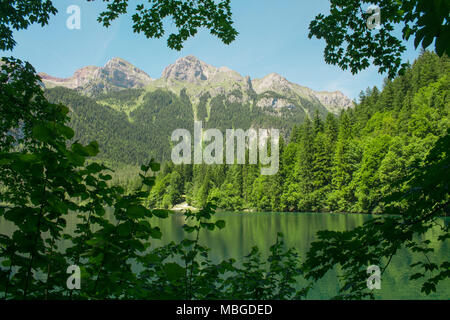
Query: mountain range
{"points": [[199, 78], [187, 90]]}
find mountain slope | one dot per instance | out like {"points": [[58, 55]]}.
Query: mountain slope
{"points": [[200, 78], [133, 116], [117, 74]]}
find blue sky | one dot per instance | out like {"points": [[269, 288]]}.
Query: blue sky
{"points": [[273, 37]]}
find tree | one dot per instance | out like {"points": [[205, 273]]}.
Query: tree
{"points": [[396, 176], [19, 15], [188, 17], [46, 178], [375, 243], [352, 44]]}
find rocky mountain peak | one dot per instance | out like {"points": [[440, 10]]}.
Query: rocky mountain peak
{"points": [[332, 100], [188, 69], [193, 70], [115, 75], [117, 63], [123, 74], [271, 82], [118, 74]]}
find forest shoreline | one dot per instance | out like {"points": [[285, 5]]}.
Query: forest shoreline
{"points": [[180, 207]]}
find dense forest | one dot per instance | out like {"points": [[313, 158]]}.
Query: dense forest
{"points": [[64, 210], [346, 163], [133, 125]]}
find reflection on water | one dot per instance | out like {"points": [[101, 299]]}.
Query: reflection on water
{"points": [[245, 230]]}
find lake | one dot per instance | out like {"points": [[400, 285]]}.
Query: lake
{"points": [[245, 230]]}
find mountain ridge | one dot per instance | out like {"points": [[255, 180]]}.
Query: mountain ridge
{"points": [[198, 78], [116, 74]]}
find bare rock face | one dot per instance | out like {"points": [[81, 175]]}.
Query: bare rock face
{"points": [[80, 78], [334, 101], [123, 74], [271, 82], [192, 70], [188, 69], [275, 103], [115, 75], [199, 78]]}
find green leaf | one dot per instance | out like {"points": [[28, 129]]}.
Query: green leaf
{"points": [[220, 224], [76, 159], [66, 131], [189, 229], [174, 271], [41, 133], [136, 211], [6, 263], [79, 150], [427, 287], [160, 213], [106, 177], [427, 40], [96, 242], [207, 225], [152, 258], [156, 233], [419, 36], [124, 229], [416, 276], [96, 259], [92, 148], [155, 166], [94, 168], [5, 161], [28, 157]]}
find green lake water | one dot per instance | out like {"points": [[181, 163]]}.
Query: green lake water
{"points": [[245, 230]]}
